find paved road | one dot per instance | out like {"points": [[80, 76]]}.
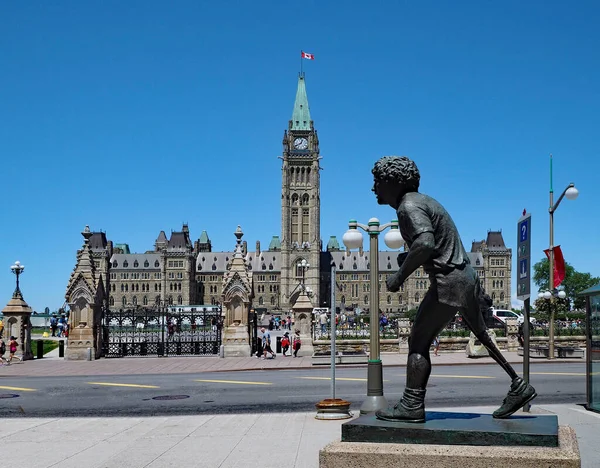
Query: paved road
{"points": [[267, 391]]}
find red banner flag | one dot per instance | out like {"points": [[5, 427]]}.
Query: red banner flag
{"points": [[559, 265], [308, 56]]}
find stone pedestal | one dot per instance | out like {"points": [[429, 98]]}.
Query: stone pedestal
{"points": [[80, 340], [236, 341], [448, 439], [403, 334], [375, 455], [512, 335], [475, 349], [303, 321], [17, 323]]}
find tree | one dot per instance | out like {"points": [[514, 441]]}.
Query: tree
{"points": [[573, 284]]}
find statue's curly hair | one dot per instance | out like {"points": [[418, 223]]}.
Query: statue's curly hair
{"points": [[398, 169]]}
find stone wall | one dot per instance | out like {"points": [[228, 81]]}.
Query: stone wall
{"points": [[446, 344]]}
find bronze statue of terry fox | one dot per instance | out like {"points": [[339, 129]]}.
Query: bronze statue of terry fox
{"points": [[434, 242]]}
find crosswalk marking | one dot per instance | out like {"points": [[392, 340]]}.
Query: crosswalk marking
{"points": [[113, 384], [18, 389], [237, 382]]}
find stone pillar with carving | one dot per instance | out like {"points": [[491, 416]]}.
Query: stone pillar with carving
{"points": [[303, 316], [17, 323], [404, 328], [85, 296], [512, 335], [237, 294]]}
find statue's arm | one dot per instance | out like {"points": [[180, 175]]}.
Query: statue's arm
{"points": [[420, 252]]}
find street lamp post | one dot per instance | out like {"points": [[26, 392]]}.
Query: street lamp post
{"points": [[352, 240], [571, 193], [17, 269], [303, 265]]}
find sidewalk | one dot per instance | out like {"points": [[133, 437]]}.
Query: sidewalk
{"points": [[52, 365], [214, 441]]}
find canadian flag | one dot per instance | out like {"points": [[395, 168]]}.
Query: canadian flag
{"points": [[308, 56]]}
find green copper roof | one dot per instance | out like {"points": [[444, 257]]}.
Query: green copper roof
{"points": [[594, 290], [123, 247], [333, 243], [204, 238], [275, 243], [301, 114]]}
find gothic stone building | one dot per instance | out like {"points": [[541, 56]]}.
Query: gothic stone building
{"points": [[179, 271]]}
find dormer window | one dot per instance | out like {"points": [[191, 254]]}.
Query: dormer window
{"points": [[146, 264], [136, 264], [156, 264], [115, 264], [125, 264]]}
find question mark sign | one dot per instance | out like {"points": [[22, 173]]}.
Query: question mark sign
{"points": [[523, 231]]}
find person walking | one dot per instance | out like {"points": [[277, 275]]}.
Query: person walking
{"points": [[285, 343], [53, 324], [436, 345], [12, 349], [266, 342], [2, 351], [297, 343]]}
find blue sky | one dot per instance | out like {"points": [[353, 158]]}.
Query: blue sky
{"points": [[134, 117]]}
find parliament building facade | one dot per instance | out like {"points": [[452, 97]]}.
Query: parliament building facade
{"points": [[182, 271]]}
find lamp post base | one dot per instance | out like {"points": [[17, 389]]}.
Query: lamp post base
{"points": [[373, 403]]}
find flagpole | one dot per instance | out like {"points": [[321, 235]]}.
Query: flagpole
{"points": [[301, 52]]}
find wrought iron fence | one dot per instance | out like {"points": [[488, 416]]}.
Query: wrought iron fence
{"points": [[354, 330]]}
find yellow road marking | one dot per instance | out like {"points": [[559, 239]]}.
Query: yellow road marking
{"points": [[239, 382], [463, 376], [337, 378], [557, 373], [18, 389], [112, 384]]}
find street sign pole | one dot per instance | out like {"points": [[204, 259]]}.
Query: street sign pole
{"points": [[524, 285]]}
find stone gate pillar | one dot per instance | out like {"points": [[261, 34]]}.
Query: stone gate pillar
{"points": [[303, 317], [85, 296]]}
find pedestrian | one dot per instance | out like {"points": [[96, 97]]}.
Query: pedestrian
{"points": [[266, 342], [2, 351], [297, 342], [53, 324], [285, 343], [289, 322], [12, 349], [436, 345], [323, 322]]}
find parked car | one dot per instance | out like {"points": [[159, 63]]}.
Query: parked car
{"points": [[502, 315]]}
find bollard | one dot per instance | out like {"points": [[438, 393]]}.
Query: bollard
{"points": [[278, 346], [259, 348], [61, 348], [40, 349], [222, 351], [89, 354]]}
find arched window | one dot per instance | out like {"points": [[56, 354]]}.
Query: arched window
{"points": [[126, 288], [260, 301], [501, 296], [115, 264], [134, 300], [180, 300], [137, 287], [136, 264], [417, 297], [171, 300], [366, 299], [272, 300], [493, 296], [179, 286], [124, 301], [155, 286], [156, 264], [146, 264], [170, 286], [389, 299], [343, 299], [145, 301], [111, 301], [125, 264], [122, 287]]}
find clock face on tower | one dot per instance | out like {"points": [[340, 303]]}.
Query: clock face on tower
{"points": [[301, 143]]}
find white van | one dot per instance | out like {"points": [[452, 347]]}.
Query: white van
{"points": [[502, 315]]}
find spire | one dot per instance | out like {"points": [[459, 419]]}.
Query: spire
{"points": [[301, 114]]}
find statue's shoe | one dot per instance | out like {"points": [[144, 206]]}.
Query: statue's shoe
{"points": [[399, 413], [519, 395]]}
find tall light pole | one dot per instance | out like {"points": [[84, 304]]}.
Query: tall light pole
{"points": [[17, 269], [352, 240], [303, 265], [571, 193]]}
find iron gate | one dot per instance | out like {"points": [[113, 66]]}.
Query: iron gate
{"points": [[176, 331]]}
